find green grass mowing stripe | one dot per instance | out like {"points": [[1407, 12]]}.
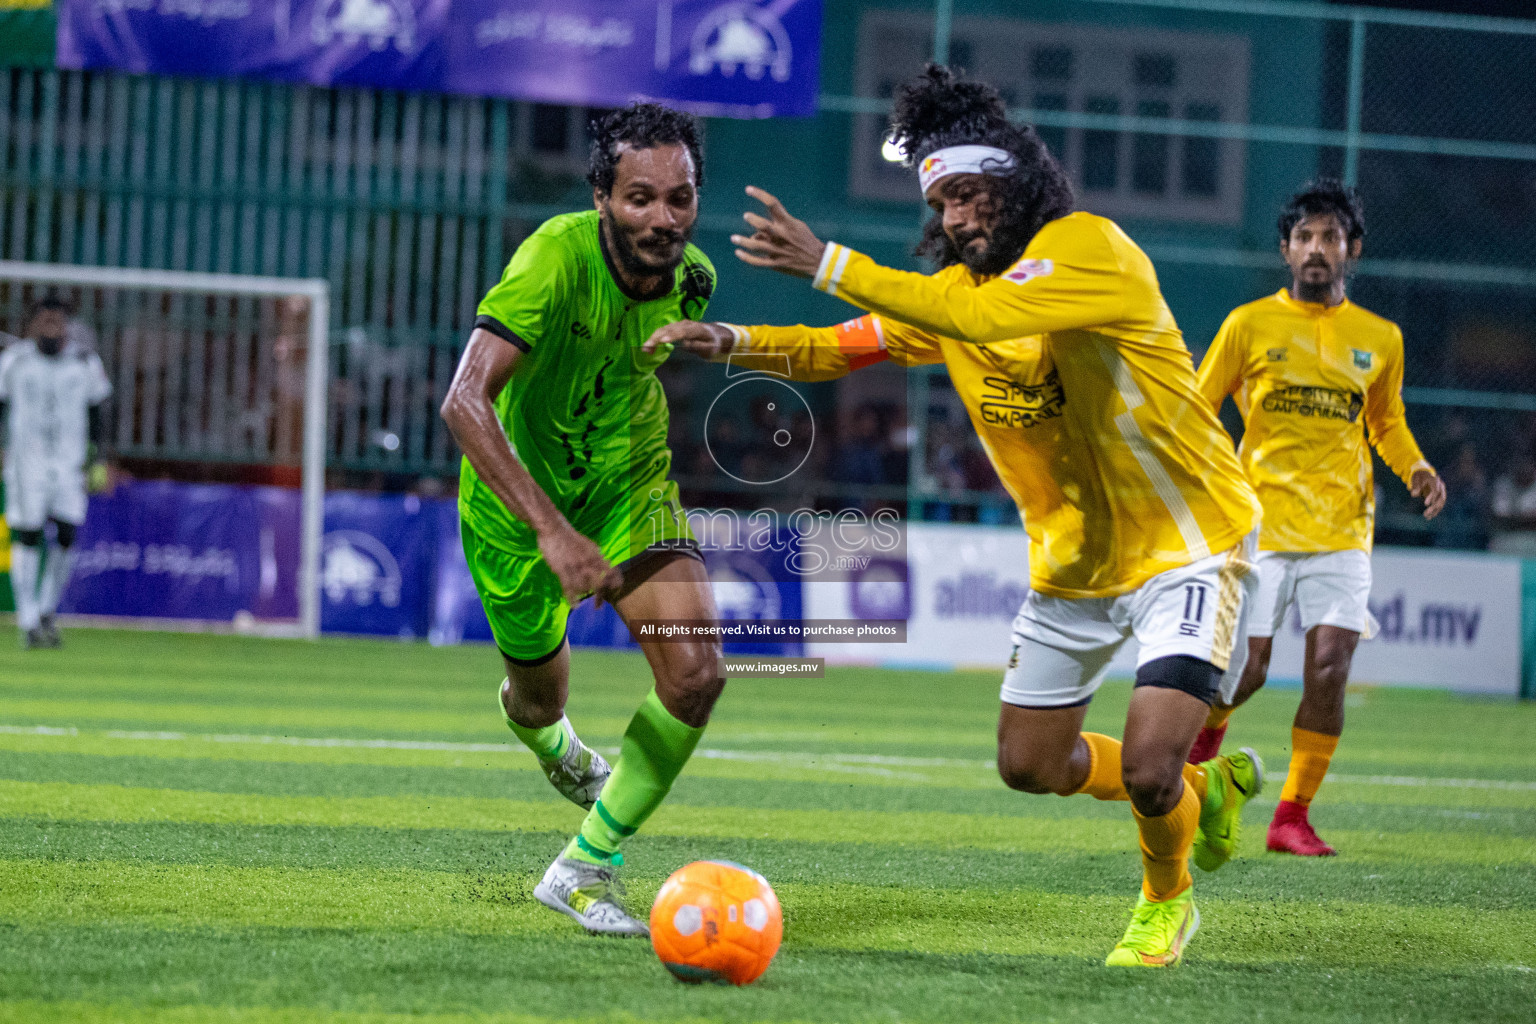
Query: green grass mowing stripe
{"points": [[1492, 816], [1014, 922], [863, 709], [759, 771], [793, 766], [28, 1011], [1404, 881], [524, 855], [204, 974], [920, 829], [521, 780], [916, 829]]}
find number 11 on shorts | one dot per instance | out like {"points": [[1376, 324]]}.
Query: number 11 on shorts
{"points": [[1194, 609]]}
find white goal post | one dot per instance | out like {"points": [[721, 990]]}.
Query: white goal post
{"points": [[317, 293]]}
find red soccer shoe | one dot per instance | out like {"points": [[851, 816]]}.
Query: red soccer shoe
{"points": [[1291, 832], [1207, 744]]}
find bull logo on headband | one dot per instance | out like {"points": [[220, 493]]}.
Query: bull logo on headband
{"points": [[964, 160]]}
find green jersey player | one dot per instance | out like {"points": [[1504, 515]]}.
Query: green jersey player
{"points": [[579, 502]]}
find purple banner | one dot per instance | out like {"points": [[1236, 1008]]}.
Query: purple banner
{"points": [[188, 551], [726, 58], [376, 564]]}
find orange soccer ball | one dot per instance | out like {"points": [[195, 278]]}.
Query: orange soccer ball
{"points": [[716, 921]]}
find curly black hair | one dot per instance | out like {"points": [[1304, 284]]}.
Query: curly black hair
{"points": [[642, 126], [939, 109], [1325, 195], [51, 301]]}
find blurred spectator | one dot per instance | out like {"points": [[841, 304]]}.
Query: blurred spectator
{"points": [[1514, 505], [726, 447], [860, 459], [1442, 446], [1464, 521]]}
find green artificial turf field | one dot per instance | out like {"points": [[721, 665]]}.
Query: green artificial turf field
{"points": [[220, 828]]}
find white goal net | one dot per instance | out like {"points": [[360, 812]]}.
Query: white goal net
{"points": [[218, 408]]}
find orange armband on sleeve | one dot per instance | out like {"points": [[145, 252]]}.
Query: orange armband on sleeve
{"points": [[862, 341]]}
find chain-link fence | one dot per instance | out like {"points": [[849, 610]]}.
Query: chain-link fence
{"points": [[1188, 121]]}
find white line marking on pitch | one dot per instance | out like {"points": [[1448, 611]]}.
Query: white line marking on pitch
{"points": [[874, 764]]}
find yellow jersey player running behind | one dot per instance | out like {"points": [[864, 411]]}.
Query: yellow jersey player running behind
{"points": [[1305, 365], [1077, 380]]}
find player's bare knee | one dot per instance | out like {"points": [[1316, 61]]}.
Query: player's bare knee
{"points": [[694, 682], [1029, 769], [1025, 777], [1324, 686], [530, 706], [1153, 786]]}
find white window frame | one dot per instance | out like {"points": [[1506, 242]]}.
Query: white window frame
{"points": [[1213, 68]]}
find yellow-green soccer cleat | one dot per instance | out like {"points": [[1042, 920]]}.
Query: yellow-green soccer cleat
{"points": [[1231, 781], [1158, 932]]}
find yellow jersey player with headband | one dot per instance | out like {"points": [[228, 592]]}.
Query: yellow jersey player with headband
{"points": [[1077, 380]]}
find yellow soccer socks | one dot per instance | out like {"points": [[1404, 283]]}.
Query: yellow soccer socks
{"points": [[1311, 753], [1291, 832], [1104, 781], [1166, 840]]}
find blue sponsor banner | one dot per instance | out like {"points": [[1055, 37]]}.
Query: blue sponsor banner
{"points": [[188, 551], [391, 565], [376, 564], [749, 585], [456, 612], [727, 58], [758, 585]]}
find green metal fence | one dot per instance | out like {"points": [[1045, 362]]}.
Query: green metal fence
{"points": [[410, 204]]}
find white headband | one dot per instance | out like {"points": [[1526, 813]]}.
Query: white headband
{"points": [[963, 160]]}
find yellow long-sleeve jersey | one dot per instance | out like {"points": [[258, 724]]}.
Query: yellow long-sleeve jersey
{"points": [[1078, 384], [1303, 373]]}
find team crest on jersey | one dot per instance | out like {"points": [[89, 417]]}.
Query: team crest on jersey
{"points": [[1025, 271], [1362, 359], [698, 285], [1276, 355]]}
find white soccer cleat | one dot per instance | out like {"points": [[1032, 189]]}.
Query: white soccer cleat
{"points": [[579, 773], [590, 894]]}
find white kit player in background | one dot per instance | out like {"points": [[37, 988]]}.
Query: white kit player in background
{"points": [[49, 390]]}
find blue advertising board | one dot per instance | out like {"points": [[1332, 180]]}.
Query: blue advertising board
{"points": [[391, 565], [188, 551], [725, 58], [376, 564]]}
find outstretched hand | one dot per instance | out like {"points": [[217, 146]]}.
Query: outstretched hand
{"points": [[705, 340], [780, 241], [1428, 487]]}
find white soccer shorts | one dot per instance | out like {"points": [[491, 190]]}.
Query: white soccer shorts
{"points": [[1329, 588], [35, 494], [1062, 647]]}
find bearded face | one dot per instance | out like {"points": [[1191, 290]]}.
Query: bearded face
{"points": [[969, 208]]}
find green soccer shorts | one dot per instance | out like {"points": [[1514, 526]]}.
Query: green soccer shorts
{"points": [[522, 596]]}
